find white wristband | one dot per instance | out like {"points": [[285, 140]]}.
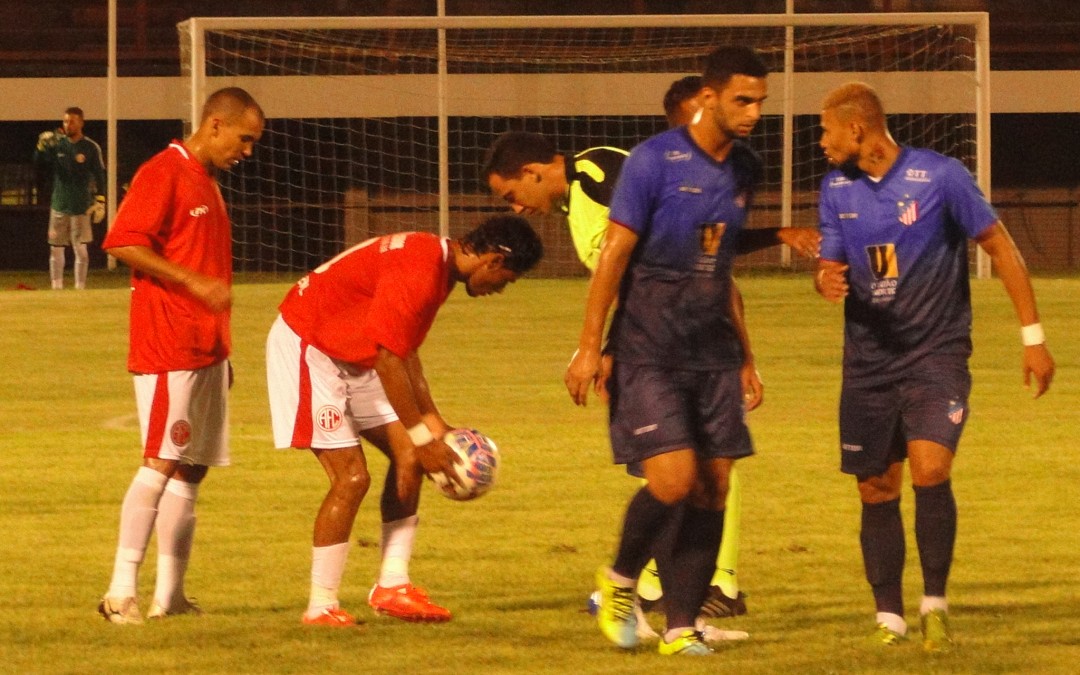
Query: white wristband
{"points": [[420, 434], [1032, 335]]}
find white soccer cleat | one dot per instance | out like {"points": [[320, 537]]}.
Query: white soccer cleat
{"points": [[184, 606], [120, 610]]}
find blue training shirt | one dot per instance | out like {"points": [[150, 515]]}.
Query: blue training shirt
{"points": [[687, 210], [905, 241]]}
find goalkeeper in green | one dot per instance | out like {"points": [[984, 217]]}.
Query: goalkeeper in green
{"points": [[78, 194]]}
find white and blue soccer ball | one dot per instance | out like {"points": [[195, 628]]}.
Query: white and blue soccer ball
{"points": [[478, 468]]}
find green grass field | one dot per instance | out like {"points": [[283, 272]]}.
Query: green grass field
{"points": [[516, 566]]}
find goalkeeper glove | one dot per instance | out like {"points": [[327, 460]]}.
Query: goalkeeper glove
{"points": [[97, 209], [47, 139]]}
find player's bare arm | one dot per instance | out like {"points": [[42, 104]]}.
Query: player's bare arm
{"points": [[830, 280], [214, 293], [431, 453], [429, 412], [1009, 265], [584, 370], [806, 241], [752, 386]]}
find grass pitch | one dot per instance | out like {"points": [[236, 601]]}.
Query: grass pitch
{"points": [[516, 566]]}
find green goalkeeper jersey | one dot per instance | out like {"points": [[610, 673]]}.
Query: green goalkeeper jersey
{"points": [[78, 173]]}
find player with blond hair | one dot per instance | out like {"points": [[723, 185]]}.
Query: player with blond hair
{"points": [[895, 223]]}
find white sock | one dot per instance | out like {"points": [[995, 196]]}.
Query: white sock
{"points": [[175, 532], [932, 602], [56, 267], [327, 568], [397, 545], [82, 264], [893, 622], [137, 515]]}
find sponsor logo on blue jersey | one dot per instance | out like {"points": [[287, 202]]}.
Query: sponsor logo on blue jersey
{"points": [[839, 181], [884, 268], [677, 156], [917, 175]]}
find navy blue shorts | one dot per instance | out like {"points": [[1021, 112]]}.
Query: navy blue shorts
{"points": [[876, 422], [657, 410]]}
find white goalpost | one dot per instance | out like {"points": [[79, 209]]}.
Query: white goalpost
{"points": [[380, 124]]}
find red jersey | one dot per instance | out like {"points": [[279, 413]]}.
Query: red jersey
{"points": [[384, 291], [174, 207]]}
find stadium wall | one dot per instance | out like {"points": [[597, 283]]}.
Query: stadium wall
{"points": [[1044, 218]]}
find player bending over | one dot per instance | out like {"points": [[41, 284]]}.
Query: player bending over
{"points": [[342, 364]]}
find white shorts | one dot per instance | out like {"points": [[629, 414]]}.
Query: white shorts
{"points": [[317, 401], [184, 415], [66, 229]]}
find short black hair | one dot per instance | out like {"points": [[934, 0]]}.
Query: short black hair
{"points": [[679, 91], [512, 236], [513, 150], [75, 110], [728, 60]]}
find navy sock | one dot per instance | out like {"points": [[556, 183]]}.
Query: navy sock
{"points": [[645, 520], [691, 565], [882, 539], [935, 534]]}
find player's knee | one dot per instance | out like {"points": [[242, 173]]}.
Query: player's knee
{"points": [[353, 484], [358, 482], [877, 489], [929, 476], [670, 489]]}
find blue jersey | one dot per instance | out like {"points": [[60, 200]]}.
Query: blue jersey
{"points": [[905, 241], [687, 210]]}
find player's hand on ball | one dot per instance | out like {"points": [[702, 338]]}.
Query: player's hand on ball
{"points": [[438, 457]]}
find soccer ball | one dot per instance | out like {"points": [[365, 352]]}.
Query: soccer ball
{"points": [[479, 465]]}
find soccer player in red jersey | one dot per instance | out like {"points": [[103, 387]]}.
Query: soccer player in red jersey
{"points": [[173, 231], [342, 364]]}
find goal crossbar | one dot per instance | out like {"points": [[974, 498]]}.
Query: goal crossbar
{"points": [[455, 94]]}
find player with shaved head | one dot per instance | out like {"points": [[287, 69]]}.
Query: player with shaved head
{"points": [[174, 233]]}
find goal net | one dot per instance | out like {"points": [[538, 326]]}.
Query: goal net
{"points": [[380, 124]]}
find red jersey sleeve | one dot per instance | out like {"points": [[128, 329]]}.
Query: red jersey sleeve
{"points": [[145, 209]]}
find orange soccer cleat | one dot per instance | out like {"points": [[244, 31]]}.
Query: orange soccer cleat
{"points": [[406, 602], [331, 616]]}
